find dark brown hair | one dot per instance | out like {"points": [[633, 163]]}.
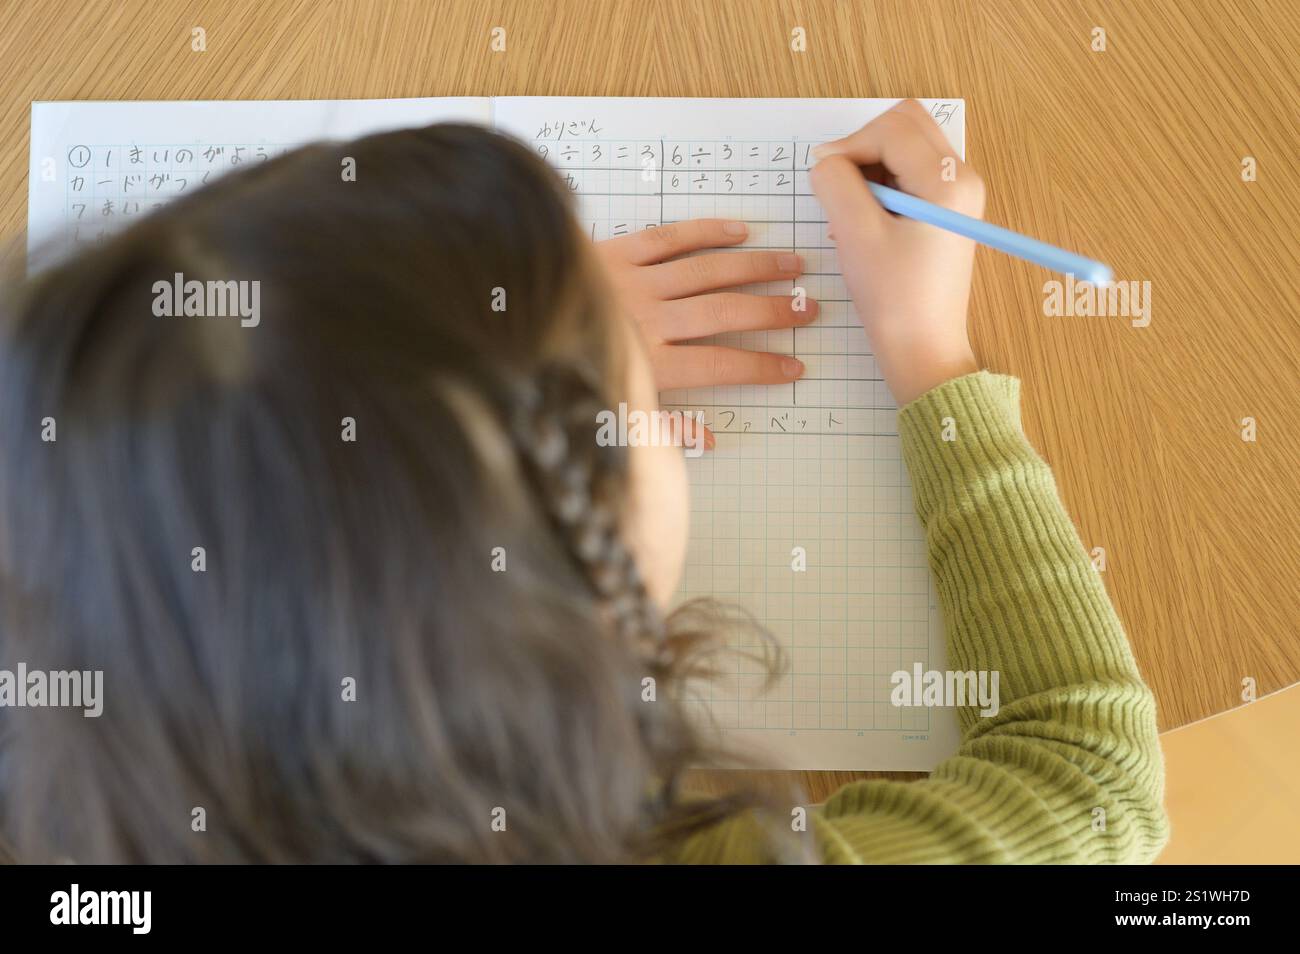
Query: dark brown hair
{"points": [[331, 559]]}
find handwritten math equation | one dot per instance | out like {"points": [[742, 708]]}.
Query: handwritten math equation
{"points": [[626, 186], [623, 186]]}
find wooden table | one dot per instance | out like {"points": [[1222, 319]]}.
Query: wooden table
{"points": [[1134, 153]]}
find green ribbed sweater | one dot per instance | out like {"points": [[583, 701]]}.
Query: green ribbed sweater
{"points": [[1076, 730]]}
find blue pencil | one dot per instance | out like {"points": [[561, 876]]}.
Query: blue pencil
{"points": [[1004, 240]]}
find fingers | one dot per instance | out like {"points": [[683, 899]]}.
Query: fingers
{"points": [[908, 143], [905, 133], [703, 273], [699, 366], [851, 210], [666, 241], [705, 315], [895, 140]]}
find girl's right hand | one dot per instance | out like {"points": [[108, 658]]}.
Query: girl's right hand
{"points": [[910, 282]]}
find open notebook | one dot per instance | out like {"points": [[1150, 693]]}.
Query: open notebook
{"points": [[803, 513]]}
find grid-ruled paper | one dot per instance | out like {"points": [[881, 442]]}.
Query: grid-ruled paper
{"points": [[814, 465], [808, 469]]}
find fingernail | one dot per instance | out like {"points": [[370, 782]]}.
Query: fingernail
{"points": [[821, 151], [710, 441], [808, 314], [735, 228], [789, 263], [791, 367]]}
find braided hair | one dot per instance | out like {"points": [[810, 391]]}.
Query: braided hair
{"points": [[341, 565], [579, 484]]}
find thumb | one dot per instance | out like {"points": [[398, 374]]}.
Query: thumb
{"points": [[851, 210]]}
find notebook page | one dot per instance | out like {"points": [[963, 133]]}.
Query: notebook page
{"points": [[803, 513], [98, 166]]}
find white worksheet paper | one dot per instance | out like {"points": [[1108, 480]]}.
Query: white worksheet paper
{"points": [[97, 166], [803, 514], [814, 465]]}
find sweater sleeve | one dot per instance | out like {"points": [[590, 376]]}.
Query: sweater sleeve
{"points": [[1069, 769]]}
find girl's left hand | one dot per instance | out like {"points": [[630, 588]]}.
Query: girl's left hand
{"points": [[673, 302]]}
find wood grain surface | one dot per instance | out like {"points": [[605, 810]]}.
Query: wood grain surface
{"points": [[1133, 155]]}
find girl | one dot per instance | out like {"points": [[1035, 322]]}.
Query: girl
{"points": [[364, 587]]}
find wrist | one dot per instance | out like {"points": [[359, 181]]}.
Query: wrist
{"points": [[921, 372]]}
